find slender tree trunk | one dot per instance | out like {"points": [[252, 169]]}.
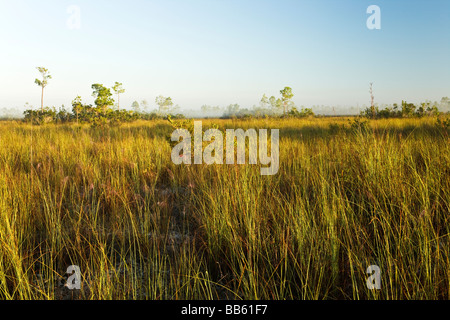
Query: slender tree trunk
{"points": [[118, 102], [372, 105], [42, 100]]}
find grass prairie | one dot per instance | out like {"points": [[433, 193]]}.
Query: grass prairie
{"points": [[348, 194]]}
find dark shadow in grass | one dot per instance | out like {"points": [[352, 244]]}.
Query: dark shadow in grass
{"points": [[119, 133], [314, 132]]}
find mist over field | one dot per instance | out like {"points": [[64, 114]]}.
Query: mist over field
{"points": [[219, 112]]}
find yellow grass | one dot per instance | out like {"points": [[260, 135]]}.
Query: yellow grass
{"points": [[347, 196]]}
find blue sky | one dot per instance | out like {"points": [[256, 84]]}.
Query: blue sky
{"points": [[219, 52]]}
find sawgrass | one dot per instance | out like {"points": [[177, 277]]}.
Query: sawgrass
{"points": [[347, 195]]}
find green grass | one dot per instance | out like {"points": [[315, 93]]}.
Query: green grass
{"points": [[112, 202]]}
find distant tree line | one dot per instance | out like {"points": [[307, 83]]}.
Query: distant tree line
{"points": [[99, 115], [282, 107], [103, 113], [106, 112], [406, 110]]}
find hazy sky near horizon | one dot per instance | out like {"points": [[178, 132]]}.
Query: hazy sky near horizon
{"points": [[219, 52]]}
